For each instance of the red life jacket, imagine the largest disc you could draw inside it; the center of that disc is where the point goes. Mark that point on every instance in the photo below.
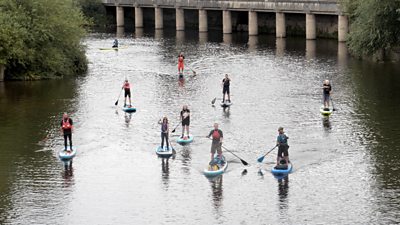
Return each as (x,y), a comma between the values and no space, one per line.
(127,85)
(66,125)
(180,59)
(216,135)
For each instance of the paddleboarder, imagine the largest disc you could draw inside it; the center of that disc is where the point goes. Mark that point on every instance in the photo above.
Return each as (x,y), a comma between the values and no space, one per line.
(164,131)
(127,88)
(327,89)
(115,43)
(225,88)
(185,118)
(283,146)
(217,137)
(181,59)
(66,129)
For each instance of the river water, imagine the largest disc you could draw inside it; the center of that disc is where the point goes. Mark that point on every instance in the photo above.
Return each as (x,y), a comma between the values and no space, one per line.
(346,168)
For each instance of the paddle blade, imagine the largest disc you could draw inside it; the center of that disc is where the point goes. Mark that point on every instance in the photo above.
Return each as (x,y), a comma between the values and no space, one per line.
(213,101)
(116,103)
(173,131)
(173,151)
(244,162)
(260,159)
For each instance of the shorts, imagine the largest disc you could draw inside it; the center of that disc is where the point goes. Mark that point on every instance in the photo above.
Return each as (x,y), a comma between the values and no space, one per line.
(283,150)
(180,66)
(185,122)
(127,93)
(216,147)
(326,97)
(225,90)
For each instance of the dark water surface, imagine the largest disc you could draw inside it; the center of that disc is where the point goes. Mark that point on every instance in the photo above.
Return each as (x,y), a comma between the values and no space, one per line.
(346,167)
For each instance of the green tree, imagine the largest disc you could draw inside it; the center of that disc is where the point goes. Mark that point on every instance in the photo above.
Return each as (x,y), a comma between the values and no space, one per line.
(96,12)
(374,25)
(41,38)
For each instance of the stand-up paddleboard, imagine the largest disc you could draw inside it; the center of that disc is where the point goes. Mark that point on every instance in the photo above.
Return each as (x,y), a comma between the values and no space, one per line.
(165,152)
(325,111)
(226,104)
(108,49)
(185,140)
(67,155)
(217,169)
(129,109)
(281,169)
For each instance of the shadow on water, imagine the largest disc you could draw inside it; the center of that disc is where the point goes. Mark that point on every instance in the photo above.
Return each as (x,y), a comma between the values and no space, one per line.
(68,175)
(186,159)
(326,123)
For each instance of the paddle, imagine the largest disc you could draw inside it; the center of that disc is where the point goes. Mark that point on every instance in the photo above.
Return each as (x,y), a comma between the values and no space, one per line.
(173,149)
(333,105)
(244,162)
(213,101)
(116,103)
(194,72)
(173,131)
(262,157)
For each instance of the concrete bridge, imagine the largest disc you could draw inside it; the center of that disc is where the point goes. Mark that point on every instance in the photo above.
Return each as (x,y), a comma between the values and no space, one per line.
(312,17)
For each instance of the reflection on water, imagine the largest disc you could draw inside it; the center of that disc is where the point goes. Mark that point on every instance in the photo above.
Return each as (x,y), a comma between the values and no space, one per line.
(165,172)
(217,192)
(311,49)
(128,118)
(326,123)
(283,191)
(280,47)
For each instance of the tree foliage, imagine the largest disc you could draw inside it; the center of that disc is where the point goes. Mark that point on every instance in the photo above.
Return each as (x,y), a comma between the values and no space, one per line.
(41,38)
(96,12)
(374,25)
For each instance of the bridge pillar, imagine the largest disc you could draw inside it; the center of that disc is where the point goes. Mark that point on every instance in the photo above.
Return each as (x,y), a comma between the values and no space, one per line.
(180,19)
(280,25)
(159,18)
(226,22)
(203,23)
(253,23)
(120,16)
(311,27)
(138,17)
(343,28)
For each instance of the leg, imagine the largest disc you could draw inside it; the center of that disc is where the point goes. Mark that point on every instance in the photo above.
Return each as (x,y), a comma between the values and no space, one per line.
(162,140)
(219,151)
(70,141)
(213,149)
(187,130)
(223,95)
(229,95)
(286,155)
(183,131)
(65,142)
(166,139)
(278,158)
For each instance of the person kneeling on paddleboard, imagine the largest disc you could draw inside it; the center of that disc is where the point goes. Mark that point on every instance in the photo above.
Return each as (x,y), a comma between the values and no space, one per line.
(127,88)
(185,118)
(225,90)
(217,137)
(115,43)
(181,59)
(283,147)
(164,131)
(327,89)
(66,128)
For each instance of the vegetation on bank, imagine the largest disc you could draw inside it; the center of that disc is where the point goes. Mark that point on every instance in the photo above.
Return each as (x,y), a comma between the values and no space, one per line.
(41,39)
(96,12)
(374,26)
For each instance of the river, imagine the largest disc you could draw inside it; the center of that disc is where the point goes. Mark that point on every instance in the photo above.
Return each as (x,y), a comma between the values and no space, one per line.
(346,168)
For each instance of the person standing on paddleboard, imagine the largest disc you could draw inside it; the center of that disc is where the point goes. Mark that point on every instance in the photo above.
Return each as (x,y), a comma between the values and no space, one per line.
(327,89)
(66,129)
(164,131)
(283,147)
(115,43)
(225,88)
(217,137)
(181,59)
(127,88)
(185,118)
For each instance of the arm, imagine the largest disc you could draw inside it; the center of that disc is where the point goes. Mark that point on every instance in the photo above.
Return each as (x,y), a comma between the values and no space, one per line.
(209,135)
(222,136)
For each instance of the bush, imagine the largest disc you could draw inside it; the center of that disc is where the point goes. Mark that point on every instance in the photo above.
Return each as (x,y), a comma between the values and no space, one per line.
(41,38)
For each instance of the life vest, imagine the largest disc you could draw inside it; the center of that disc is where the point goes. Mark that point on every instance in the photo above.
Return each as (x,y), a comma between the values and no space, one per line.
(216,134)
(66,125)
(127,85)
(180,59)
